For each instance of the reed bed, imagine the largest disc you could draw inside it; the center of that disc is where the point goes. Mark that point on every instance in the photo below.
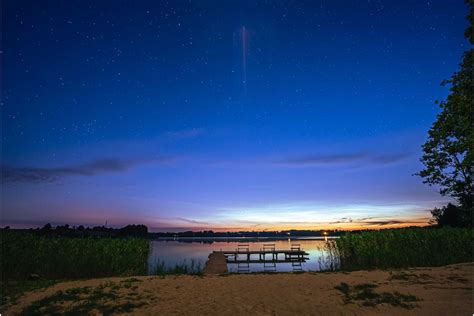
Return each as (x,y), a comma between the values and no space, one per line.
(194,267)
(401,248)
(23,254)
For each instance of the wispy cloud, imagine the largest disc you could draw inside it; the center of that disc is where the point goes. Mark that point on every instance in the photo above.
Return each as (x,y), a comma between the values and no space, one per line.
(346,158)
(51,174)
(192,221)
(387,222)
(371,221)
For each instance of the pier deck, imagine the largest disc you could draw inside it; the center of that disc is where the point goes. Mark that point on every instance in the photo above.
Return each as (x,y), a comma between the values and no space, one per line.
(243,256)
(285,255)
(252,252)
(216,264)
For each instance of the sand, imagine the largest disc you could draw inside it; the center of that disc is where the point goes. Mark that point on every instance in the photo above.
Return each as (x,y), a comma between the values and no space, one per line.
(439,291)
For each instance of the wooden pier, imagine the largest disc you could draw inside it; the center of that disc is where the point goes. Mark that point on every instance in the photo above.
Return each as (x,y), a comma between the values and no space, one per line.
(243,256)
(262,256)
(295,253)
(216,264)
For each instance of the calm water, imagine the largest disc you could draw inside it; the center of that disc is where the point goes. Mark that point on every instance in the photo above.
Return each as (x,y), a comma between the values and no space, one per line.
(171,253)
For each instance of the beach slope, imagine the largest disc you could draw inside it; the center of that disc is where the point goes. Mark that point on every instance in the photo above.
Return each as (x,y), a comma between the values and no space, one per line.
(444,290)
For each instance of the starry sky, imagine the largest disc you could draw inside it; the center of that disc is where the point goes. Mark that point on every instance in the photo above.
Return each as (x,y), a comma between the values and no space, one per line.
(223,115)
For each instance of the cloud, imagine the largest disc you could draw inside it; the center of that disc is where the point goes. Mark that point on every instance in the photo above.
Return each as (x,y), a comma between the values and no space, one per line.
(377,221)
(382,223)
(191,221)
(52,174)
(323,159)
(349,158)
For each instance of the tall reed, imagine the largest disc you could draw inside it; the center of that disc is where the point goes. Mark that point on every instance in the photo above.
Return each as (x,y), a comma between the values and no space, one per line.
(408,247)
(23,254)
(193,268)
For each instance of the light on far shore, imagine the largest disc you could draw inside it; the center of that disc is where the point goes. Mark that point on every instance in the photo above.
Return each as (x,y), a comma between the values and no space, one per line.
(325,234)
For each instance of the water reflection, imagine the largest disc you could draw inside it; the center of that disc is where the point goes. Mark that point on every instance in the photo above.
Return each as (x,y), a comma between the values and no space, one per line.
(170,253)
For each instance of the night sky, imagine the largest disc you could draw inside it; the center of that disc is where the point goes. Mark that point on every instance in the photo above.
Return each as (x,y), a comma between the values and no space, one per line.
(222,115)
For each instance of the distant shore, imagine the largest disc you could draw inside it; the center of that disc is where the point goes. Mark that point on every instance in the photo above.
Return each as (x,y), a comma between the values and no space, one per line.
(241,239)
(433,291)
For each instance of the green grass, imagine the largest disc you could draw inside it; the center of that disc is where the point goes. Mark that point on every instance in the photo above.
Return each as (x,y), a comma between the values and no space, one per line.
(365,295)
(23,254)
(12,290)
(412,278)
(104,299)
(401,248)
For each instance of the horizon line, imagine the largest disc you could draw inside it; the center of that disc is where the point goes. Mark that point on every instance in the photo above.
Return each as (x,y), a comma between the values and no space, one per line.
(177,230)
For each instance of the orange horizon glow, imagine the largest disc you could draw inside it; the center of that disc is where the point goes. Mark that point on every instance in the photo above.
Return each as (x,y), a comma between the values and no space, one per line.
(321,228)
(349,226)
(256,219)
(270,228)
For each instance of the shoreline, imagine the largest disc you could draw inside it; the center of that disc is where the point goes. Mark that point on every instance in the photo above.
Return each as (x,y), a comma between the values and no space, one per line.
(414,291)
(241,239)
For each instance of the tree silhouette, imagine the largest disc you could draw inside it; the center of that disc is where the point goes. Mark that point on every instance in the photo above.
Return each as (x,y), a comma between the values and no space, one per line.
(450,215)
(448,152)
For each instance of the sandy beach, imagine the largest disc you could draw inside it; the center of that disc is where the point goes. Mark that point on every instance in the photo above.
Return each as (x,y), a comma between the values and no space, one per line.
(423,291)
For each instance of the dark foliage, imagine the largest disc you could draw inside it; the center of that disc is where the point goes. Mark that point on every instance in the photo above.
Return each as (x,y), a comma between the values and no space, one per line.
(448,153)
(452,215)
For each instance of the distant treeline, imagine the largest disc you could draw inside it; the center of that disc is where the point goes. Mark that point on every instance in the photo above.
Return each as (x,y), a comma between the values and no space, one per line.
(253,234)
(141,231)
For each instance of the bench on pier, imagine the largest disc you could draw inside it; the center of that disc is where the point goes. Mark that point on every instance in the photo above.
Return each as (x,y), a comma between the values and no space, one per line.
(289,255)
(268,247)
(295,247)
(243,248)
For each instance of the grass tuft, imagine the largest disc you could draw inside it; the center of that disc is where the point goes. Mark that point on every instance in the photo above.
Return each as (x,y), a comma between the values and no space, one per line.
(365,295)
(103,299)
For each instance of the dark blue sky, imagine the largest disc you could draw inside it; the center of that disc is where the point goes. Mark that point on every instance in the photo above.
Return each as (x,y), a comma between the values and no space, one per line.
(222,114)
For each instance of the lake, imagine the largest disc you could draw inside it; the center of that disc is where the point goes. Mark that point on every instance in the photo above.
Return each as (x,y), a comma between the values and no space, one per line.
(169,253)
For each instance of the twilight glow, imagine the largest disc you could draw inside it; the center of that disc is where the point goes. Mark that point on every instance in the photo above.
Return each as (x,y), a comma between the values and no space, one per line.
(228,115)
